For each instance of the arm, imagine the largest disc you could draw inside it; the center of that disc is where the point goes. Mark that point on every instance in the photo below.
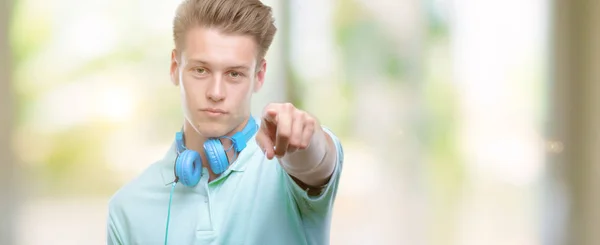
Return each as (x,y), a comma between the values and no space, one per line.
(318,200)
(310,158)
(314,166)
(304,150)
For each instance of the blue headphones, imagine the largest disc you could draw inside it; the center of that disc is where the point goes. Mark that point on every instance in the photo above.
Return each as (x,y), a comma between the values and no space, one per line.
(188,166)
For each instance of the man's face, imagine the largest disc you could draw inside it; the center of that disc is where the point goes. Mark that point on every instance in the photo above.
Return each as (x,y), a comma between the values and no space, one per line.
(217,74)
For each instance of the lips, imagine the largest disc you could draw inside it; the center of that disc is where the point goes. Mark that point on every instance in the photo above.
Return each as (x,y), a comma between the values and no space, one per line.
(214,110)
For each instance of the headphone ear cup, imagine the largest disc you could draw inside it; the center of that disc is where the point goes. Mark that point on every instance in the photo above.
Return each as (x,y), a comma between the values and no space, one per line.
(188,168)
(216,156)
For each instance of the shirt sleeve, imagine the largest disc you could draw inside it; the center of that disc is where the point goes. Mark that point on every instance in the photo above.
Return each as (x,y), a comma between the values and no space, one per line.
(322,202)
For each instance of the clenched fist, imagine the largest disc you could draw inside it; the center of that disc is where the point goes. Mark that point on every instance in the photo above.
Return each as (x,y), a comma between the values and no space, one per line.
(285,129)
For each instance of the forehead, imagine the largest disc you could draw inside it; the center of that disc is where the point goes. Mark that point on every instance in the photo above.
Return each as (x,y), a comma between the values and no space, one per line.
(217,48)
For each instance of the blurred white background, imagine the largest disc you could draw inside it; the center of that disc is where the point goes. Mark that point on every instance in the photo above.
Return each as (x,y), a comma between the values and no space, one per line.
(441,107)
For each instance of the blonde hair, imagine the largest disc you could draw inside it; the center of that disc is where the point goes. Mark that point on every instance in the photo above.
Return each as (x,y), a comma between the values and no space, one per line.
(242,17)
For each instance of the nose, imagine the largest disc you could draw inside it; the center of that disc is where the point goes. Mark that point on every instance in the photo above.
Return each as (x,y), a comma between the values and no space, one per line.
(216,89)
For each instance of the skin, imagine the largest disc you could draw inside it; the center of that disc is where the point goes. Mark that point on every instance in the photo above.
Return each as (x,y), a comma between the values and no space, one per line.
(217,74)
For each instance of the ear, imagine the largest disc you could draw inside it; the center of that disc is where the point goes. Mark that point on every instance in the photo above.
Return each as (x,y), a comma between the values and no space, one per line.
(260,75)
(174,68)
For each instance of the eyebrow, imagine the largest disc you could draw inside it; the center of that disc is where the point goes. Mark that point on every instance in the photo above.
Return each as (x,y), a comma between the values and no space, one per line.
(235,67)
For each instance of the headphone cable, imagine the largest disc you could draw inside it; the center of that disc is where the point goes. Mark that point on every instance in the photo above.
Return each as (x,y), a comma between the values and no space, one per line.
(169,212)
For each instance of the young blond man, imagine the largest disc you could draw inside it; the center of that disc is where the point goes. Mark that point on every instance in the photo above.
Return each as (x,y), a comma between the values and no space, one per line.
(230,178)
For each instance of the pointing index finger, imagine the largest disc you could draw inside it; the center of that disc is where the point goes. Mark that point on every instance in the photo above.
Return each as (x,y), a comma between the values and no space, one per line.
(266,144)
(270,116)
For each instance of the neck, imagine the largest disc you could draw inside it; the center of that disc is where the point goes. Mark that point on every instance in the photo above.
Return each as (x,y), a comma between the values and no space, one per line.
(195,141)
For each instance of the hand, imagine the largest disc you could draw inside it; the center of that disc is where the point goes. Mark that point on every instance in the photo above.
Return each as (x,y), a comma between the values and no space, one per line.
(285,129)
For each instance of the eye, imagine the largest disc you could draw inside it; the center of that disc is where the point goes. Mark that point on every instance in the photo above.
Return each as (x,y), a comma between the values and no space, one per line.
(200,70)
(235,74)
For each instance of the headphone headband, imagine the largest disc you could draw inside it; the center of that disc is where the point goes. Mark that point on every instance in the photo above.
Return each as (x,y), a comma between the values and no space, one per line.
(239,139)
(179,140)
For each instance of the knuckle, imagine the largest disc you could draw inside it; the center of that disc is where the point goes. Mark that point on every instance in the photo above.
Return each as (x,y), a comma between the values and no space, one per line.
(270,106)
(288,105)
(311,121)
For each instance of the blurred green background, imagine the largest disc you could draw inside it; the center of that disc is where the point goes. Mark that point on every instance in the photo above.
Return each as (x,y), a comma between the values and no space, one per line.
(445,108)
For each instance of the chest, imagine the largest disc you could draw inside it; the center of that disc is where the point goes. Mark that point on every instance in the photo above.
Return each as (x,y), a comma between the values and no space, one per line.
(242,207)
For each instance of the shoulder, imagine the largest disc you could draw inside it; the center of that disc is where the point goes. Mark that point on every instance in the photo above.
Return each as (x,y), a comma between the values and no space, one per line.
(130,193)
(124,209)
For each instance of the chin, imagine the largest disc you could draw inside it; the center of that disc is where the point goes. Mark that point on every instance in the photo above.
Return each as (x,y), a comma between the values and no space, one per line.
(211,129)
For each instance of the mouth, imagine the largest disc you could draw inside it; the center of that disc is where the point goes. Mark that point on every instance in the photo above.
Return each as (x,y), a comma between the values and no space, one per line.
(213,111)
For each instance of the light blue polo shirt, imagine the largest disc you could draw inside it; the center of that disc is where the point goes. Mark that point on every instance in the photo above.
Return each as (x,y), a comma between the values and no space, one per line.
(253,202)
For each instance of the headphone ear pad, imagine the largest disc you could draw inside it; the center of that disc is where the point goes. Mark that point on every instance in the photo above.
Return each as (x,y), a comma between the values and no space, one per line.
(216,156)
(188,168)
